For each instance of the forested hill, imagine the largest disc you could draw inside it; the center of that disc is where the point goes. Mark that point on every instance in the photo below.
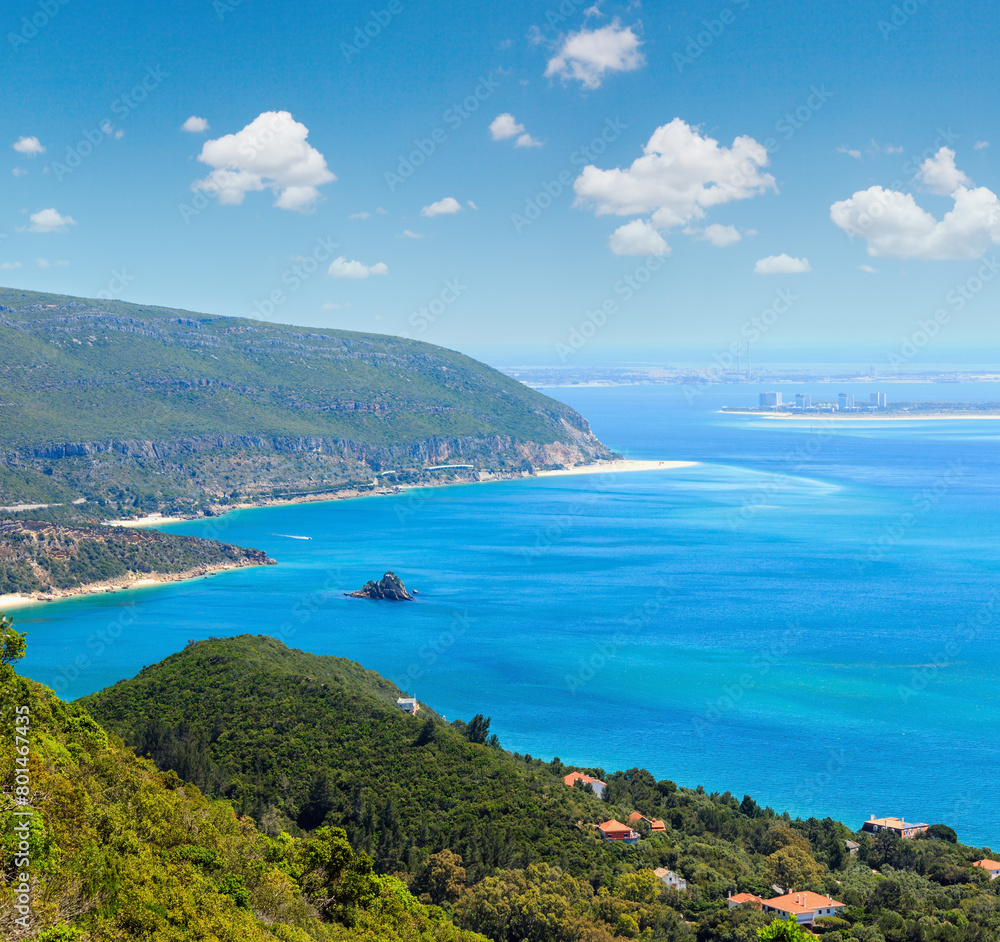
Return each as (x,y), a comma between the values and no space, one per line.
(157,409)
(300,742)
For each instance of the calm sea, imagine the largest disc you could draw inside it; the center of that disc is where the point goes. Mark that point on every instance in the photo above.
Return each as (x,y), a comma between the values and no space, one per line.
(809,616)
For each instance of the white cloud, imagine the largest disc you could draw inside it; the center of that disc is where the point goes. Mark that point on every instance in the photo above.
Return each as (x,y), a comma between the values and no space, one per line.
(29,146)
(679,177)
(894,226)
(49,220)
(526,140)
(856,154)
(444,207)
(360,216)
(195,125)
(869,269)
(504,126)
(981,145)
(380,210)
(781,265)
(471,205)
(342,268)
(940,175)
(719,236)
(637,237)
(592,11)
(43,263)
(19,171)
(410,234)
(269,153)
(9,266)
(589,54)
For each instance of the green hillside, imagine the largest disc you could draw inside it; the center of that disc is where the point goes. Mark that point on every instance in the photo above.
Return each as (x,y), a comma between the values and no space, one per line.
(152,408)
(299,741)
(117,850)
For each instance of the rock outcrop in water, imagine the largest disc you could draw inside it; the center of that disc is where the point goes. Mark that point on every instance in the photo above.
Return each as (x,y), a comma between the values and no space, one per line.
(389,587)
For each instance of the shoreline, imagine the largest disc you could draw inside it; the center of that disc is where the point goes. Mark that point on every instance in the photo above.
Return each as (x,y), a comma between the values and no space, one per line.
(618,466)
(121,584)
(862,416)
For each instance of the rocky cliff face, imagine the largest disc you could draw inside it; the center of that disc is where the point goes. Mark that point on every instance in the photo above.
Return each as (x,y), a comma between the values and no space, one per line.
(389,588)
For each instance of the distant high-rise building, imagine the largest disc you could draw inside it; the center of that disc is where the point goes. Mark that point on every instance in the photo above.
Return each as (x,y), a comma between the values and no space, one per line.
(768,400)
(803,401)
(846,402)
(877,399)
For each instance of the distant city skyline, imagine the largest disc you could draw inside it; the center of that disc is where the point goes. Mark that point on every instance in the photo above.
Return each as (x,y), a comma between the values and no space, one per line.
(578,176)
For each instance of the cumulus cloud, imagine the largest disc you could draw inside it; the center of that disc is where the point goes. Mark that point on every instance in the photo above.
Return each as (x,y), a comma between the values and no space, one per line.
(869,269)
(269,153)
(781,265)
(50,220)
(9,266)
(445,207)
(856,154)
(588,55)
(981,145)
(410,234)
(505,126)
(719,236)
(342,268)
(19,171)
(894,226)
(940,175)
(637,237)
(679,177)
(195,125)
(29,146)
(361,215)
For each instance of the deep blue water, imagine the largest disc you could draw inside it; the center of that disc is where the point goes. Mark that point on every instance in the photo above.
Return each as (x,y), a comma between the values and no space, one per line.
(810,615)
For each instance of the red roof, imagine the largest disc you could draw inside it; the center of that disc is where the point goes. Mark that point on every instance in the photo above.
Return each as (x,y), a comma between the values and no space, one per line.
(575,777)
(801,903)
(613,825)
(988,864)
(745,898)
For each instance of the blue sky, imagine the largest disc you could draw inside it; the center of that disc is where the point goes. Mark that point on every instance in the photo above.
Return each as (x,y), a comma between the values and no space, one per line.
(526,218)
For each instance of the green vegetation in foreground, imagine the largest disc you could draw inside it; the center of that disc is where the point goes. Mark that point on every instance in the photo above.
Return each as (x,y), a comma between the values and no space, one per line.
(41,557)
(121,851)
(140,408)
(299,742)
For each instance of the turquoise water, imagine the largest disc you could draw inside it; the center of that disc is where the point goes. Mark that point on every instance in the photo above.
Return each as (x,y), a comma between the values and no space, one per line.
(809,615)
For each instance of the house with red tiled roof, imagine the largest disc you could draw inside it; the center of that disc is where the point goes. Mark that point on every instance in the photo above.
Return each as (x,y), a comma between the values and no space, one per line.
(755,902)
(992,867)
(596,784)
(616,831)
(655,824)
(805,906)
(897,825)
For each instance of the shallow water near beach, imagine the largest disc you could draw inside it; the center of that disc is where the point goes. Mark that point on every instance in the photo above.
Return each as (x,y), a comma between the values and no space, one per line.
(809,615)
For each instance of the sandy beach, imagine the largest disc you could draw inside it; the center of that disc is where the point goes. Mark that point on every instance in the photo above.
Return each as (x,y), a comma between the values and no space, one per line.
(8,602)
(607,467)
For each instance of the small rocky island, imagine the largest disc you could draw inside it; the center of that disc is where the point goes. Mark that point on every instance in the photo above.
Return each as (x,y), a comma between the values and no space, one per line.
(390,587)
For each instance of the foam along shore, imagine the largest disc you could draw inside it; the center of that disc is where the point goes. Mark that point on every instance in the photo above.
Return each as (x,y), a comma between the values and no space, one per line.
(863,416)
(8,602)
(614,467)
